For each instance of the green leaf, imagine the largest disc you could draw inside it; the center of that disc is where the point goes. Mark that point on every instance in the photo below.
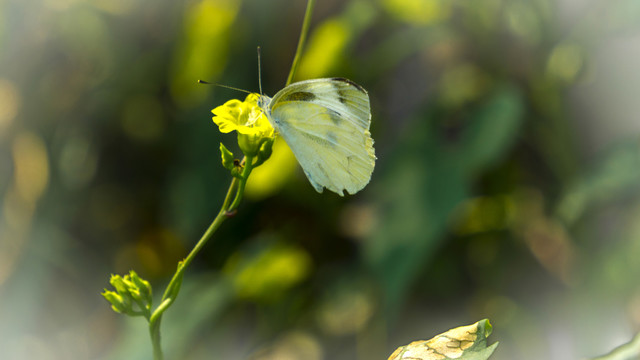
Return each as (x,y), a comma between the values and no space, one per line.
(628,351)
(492,129)
(614,176)
(462,343)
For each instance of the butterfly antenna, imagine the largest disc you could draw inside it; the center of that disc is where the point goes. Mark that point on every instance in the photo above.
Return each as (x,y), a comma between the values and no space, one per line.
(259,73)
(224,86)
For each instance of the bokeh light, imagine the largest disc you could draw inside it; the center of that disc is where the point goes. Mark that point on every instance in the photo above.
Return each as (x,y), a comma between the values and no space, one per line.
(507,184)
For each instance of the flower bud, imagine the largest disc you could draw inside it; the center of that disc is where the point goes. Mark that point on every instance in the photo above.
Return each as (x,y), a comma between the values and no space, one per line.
(130,290)
(249,144)
(117,303)
(144,292)
(227,157)
(266,149)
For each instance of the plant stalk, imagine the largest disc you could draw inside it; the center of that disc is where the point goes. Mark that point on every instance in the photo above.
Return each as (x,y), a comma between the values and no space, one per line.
(303,38)
(235,192)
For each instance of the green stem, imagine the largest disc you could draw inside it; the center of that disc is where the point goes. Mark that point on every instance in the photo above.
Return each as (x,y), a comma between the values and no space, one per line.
(235,192)
(154,331)
(303,37)
(248,167)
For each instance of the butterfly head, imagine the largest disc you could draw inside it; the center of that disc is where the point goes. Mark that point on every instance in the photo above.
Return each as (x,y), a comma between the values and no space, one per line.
(263,102)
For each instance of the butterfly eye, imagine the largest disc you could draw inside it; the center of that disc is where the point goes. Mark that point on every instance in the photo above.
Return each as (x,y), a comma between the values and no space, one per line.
(263,101)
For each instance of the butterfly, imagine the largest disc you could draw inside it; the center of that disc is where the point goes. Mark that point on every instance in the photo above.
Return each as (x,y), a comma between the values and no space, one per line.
(326,124)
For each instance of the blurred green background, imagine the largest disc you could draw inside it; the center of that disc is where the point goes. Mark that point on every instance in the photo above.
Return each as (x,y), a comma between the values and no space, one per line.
(507,184)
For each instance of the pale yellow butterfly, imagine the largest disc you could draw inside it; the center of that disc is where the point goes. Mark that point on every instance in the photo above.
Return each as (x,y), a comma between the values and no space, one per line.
(326,124)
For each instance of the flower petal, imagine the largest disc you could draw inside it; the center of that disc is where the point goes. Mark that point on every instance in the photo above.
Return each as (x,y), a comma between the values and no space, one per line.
(244,117)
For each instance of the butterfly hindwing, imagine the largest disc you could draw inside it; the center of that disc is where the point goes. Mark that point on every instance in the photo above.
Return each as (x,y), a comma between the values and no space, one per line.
(326,123)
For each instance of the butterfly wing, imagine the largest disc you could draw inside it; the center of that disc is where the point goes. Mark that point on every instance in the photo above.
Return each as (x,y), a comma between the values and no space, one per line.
(326,124)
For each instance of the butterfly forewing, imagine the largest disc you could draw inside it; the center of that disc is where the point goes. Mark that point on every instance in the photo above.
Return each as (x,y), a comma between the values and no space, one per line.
(326,123)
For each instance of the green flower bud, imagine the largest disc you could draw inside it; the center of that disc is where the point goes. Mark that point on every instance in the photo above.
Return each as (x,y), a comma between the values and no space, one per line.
(266,148)
(130,290)
(227,157)
(249,144)
(117,303)
(144,289)
(122,289)
(236,172)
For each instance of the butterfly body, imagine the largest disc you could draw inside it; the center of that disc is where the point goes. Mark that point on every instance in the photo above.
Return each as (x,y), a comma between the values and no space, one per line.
(326,124)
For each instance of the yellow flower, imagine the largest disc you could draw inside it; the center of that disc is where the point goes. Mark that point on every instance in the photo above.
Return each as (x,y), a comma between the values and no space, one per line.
(255,133)
(245,117)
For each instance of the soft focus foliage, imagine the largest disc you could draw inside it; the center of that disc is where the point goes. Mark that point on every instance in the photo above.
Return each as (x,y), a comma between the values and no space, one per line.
(507,184)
